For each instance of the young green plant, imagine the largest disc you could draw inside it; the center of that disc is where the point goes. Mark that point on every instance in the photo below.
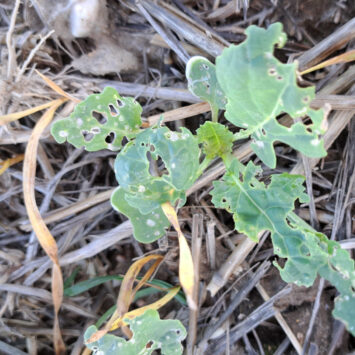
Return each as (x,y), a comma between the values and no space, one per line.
(253,88)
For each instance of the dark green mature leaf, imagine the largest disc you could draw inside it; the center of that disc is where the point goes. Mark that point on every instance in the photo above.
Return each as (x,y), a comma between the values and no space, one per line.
(258,88)
(116,117)
(140,194)
(149,333)
(217,140)
(202,82)
(257,207)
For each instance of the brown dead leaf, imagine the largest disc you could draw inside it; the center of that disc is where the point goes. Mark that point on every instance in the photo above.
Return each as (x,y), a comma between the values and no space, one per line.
(44,236)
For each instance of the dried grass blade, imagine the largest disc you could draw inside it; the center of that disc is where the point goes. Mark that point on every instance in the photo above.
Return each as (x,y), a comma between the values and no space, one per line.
(17,115)
(127,292)
(9,162)
(44,236)
(135,313)
(186,265)
(342,58)
(56,88)
(155,305)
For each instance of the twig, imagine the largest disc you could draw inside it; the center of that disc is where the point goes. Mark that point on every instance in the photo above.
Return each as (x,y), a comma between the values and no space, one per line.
(282,322)
(11,51)
(238,298)
(329,45)
(221,276)
(312,207)
(314,315)
(168,38)
(197,232)
(10,350)
(262,313)
(31,55)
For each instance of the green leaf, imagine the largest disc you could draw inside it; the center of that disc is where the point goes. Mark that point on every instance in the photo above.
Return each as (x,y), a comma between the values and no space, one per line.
(257,207)
(116,117)
(216,139)
(202,82)
(147,227)
(258,88)
(149,333)
(176,149)
(332,263)
(141,194)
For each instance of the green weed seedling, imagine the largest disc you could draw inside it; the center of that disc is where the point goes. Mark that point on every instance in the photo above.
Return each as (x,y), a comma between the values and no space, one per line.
(253,88)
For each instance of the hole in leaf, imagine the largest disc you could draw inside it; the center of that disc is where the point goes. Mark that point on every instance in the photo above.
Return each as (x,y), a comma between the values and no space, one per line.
(88,136)
(224,200)
(272,71)
(113,110)
(120,103)
(149,345)
(152,148)
(204,67)
(110,138)
(279,77)
(263,131)
(306,99)
(124,141)
(99,117)
(95,130)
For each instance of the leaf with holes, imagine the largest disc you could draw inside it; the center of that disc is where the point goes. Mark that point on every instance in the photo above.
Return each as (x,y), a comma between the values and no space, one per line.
(172,150)
(202,82)
(100,122)
(216,139)
(149,333)
(141,194)
(257,207)
(258,88)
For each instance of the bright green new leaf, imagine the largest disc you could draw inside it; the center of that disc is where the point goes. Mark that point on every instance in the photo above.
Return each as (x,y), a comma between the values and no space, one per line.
(257,207)
(258,88)
(101,121)
(216,139)
(202,82)
(149,333)
(141,194)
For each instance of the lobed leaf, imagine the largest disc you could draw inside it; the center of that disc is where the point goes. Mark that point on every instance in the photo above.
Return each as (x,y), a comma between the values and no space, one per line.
(101,121)
(258,88)
(216,139)
(149,333)
(141,194)
(202,82)
(257,207)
